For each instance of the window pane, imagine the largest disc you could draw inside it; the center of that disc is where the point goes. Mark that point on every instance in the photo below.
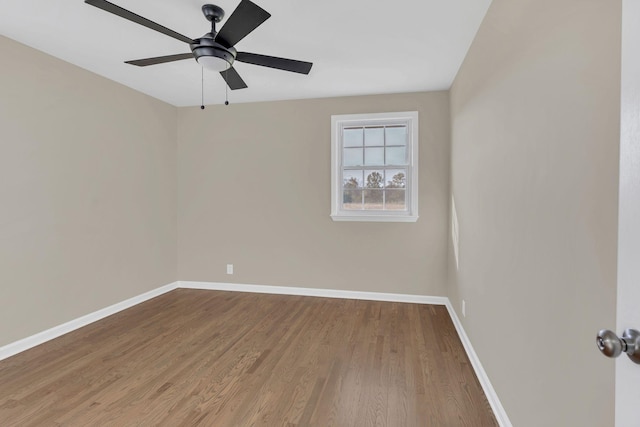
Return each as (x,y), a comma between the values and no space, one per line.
(352,199)
(396,155)
(396,135)
(352,137)
(352,157)
(396,178)
(352,179)
(373,199)
(374,178)
(395,200)
(374,136)
(374,156)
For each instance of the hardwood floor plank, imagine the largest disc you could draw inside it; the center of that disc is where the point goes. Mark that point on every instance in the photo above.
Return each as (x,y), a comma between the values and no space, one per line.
(194,357)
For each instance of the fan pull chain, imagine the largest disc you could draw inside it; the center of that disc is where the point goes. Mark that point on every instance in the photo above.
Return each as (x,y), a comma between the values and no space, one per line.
(202,103)
(226,86)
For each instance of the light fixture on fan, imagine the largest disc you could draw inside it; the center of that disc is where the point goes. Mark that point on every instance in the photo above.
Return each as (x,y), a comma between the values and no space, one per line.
(212,55)
(213,63)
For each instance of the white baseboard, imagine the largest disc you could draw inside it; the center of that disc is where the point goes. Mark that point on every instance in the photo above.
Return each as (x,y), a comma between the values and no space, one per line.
(489,391)
(44,336)
(315,292)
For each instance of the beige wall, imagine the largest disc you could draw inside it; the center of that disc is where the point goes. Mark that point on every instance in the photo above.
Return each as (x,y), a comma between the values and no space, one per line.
(87,192)
(535,131)
(254,190)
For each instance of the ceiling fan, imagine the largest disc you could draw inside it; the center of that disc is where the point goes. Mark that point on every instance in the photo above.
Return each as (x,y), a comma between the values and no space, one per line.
(215,50)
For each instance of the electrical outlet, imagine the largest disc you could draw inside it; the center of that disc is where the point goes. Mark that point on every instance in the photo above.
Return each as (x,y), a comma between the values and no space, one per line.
(229,268)
(464,308)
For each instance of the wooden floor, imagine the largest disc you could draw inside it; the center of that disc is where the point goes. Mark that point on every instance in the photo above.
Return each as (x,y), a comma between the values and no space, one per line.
(192,357)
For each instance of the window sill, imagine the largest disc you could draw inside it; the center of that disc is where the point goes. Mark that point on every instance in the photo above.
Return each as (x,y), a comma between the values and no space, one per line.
(375,218)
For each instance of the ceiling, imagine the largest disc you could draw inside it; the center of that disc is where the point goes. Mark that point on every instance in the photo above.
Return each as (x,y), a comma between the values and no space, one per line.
(357,46)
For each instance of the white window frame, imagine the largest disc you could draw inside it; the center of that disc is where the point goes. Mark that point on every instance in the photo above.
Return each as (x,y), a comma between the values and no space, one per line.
(338,123)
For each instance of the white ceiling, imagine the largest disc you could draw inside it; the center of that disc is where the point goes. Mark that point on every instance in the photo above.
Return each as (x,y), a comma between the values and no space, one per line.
(357,46)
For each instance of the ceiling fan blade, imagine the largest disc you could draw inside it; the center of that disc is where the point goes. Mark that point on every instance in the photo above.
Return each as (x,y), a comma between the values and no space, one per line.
(246,18)
(233,79)
(292,65)
(124,13)
(160,59)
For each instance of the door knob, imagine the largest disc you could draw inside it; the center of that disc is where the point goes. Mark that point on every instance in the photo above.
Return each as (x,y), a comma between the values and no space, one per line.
(613,346)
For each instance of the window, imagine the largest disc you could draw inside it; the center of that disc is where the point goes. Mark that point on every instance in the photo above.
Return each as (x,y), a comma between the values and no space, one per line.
(374,167)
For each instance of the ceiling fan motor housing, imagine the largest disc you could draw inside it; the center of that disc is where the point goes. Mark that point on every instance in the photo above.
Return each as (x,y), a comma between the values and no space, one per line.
(207,46)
